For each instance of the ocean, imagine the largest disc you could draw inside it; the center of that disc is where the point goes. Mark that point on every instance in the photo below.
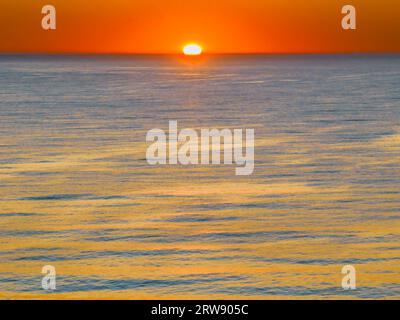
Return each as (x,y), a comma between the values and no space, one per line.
(77,193)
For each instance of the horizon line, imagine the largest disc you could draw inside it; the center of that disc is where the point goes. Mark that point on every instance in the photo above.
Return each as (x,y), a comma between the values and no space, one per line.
(116,53)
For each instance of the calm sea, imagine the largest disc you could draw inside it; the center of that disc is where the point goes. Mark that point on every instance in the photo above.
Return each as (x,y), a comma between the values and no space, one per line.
(76,191)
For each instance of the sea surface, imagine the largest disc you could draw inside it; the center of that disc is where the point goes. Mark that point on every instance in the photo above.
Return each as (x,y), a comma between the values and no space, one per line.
(77,193)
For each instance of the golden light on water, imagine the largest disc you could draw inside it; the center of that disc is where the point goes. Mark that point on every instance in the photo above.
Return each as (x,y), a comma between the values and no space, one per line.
(192,50)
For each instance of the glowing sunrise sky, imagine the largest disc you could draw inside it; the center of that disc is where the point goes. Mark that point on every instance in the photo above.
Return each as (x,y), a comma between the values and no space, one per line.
(234,26)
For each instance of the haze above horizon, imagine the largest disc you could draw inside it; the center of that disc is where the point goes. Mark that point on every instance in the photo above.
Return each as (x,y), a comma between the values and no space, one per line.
(226,27)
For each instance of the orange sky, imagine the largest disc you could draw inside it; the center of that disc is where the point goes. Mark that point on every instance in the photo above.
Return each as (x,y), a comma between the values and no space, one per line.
(221,26)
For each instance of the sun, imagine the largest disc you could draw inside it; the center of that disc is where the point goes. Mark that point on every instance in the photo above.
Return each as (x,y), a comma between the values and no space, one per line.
(192,50)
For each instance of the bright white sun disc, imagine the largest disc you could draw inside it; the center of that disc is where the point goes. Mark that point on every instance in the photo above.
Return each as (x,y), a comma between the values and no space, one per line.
(192,50)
